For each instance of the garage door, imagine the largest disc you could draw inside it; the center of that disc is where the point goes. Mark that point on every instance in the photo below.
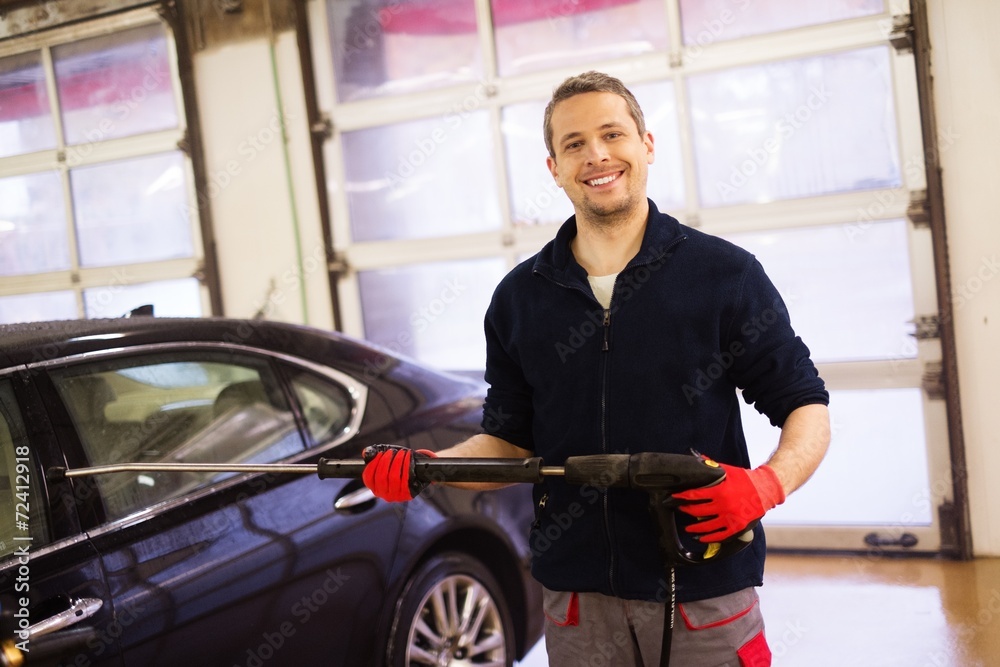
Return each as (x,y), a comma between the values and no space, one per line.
(789,128)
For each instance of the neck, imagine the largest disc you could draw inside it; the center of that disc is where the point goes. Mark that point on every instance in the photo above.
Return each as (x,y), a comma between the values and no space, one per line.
(605,246)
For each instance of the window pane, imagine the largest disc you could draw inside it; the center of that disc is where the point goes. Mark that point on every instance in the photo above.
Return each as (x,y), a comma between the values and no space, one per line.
(708,21)
(433,312)
(532,36)
(22,503)
(170,298)
(25,116)
(795,128)
(848,290)
(421,179)
(115,85)
(37,307)
(326,406)
(175,411)
(874,431)
(33,236)
(132,211)
(535,198)
(388,48)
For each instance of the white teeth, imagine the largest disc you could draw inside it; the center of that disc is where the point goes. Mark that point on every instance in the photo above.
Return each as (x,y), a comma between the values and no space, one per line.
(602,181)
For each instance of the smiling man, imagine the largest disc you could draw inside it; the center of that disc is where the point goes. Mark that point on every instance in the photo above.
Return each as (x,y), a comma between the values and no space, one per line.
(630,333)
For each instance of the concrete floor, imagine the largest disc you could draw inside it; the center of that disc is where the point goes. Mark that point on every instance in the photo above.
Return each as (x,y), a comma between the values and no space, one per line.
(835,611)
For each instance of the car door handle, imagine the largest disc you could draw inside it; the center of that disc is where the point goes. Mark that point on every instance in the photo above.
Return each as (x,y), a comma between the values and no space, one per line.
(79,610)
(354,499)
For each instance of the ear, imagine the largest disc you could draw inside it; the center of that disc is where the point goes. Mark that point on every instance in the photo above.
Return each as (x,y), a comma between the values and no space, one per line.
(550,162)
(650,151)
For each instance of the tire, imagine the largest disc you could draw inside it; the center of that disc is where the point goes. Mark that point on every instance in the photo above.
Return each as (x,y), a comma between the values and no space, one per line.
(452,612)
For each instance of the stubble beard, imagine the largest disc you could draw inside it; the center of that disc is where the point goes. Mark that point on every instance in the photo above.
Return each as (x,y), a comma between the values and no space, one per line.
(612,214)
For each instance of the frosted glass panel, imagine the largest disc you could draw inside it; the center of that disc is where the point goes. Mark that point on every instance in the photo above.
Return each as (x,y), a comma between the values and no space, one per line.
(425,178)
(795,128)
(25,117)
(535,198)
(386,48)
(878,450)
(170,298)
(115,85)
(432,312)
(708,21)
(848,291)
(33,232)
(532,36)
(37,307)
(132,211)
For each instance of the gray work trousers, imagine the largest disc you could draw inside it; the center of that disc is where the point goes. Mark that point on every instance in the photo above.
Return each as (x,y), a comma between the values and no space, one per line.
(594,630)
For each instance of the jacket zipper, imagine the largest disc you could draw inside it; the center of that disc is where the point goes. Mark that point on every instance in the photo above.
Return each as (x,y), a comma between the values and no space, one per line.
(606,347)
(605,361)
(607,326)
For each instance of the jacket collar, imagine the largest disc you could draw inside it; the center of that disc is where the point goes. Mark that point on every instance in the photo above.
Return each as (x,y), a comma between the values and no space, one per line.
(556,260)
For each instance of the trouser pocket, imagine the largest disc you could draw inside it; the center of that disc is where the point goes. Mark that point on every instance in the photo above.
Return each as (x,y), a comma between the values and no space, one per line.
(562,608)
(725,630)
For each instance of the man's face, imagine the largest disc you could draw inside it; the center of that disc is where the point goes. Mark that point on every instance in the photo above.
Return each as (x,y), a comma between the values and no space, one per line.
(601,160)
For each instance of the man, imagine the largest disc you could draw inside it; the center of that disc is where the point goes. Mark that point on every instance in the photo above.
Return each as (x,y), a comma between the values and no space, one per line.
(630,332)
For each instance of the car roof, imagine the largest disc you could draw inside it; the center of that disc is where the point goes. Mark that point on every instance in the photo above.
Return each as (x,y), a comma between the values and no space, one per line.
(40,342)
(31,342)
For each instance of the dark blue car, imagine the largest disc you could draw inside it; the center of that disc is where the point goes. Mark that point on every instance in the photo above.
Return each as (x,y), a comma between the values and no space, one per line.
(248,569)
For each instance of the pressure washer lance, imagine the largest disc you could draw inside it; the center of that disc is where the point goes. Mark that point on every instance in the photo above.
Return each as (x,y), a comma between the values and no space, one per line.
(658,474)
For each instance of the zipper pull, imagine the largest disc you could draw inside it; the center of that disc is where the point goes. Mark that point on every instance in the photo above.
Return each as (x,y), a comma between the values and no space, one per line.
(607,328)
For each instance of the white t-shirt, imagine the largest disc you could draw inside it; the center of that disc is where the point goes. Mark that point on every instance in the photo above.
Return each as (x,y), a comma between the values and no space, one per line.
(602,286)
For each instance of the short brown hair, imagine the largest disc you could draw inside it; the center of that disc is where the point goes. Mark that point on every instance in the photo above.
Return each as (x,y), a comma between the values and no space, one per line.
(591,82)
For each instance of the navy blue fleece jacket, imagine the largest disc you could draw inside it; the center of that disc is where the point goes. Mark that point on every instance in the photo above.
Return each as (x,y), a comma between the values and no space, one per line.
(692,318)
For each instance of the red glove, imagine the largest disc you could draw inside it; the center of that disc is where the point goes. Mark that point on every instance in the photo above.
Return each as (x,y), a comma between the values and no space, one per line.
(389,472)
(727,508)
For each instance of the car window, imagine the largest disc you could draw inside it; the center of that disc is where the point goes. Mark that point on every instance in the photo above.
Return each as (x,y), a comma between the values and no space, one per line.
(24,522)
(175,409)
(326,406)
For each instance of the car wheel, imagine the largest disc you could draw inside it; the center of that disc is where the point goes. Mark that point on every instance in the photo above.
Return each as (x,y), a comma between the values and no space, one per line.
(452,612)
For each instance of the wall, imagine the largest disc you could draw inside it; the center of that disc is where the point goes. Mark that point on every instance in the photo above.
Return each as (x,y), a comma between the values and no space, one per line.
(965,57)
(263,268)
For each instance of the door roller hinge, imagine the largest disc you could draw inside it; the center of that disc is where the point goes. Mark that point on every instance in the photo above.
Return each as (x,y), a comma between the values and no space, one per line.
(926,327)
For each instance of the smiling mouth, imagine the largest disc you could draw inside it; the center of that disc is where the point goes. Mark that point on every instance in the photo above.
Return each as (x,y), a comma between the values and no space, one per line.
(594,182)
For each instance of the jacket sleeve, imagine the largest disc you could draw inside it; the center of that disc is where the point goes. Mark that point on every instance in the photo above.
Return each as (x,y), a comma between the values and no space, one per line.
(507,412)
(771,364)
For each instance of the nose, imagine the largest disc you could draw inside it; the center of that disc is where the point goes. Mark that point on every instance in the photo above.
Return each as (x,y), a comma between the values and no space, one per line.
(597,151)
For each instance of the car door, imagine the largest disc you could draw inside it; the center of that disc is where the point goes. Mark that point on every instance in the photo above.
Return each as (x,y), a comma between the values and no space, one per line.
(53,588)
(224,568)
